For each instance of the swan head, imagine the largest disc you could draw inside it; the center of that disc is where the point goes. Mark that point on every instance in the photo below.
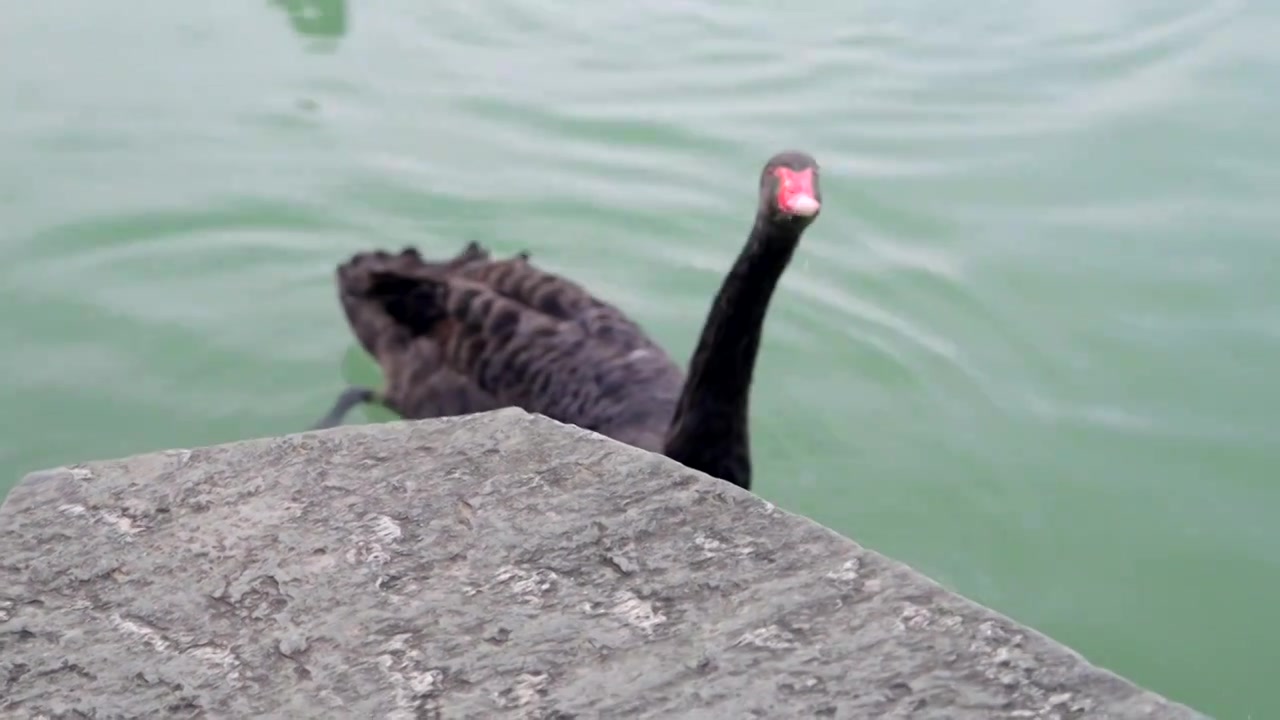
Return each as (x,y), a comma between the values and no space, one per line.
(789,188)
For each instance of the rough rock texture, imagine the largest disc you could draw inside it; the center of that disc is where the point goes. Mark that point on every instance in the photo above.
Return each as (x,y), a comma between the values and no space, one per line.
(492,566)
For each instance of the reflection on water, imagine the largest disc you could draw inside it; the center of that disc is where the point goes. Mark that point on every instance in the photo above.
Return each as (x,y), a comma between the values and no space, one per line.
(316,18)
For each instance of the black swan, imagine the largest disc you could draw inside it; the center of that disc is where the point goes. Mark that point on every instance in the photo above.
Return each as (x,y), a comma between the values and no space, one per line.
(533,340)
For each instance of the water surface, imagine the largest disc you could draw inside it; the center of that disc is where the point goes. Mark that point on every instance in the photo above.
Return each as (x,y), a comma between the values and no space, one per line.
(1029,348)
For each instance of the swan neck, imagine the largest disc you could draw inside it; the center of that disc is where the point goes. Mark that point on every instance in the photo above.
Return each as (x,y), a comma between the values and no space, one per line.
(720,372)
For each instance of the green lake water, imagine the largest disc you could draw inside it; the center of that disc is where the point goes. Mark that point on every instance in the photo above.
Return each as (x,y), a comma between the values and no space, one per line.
(1030,348)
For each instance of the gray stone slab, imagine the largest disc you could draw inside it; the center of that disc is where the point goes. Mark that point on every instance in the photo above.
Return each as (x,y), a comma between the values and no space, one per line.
(494,566)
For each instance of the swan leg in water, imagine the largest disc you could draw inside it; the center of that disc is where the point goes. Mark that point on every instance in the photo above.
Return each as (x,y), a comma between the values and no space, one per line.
(348,399)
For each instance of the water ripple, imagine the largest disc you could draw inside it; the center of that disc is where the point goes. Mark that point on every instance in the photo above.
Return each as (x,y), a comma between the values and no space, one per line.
(1039,295)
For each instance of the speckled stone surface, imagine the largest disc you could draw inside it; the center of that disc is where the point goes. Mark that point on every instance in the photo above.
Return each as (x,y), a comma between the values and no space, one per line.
(492,566)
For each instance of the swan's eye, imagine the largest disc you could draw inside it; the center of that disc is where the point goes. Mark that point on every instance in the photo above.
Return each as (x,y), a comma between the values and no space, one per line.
(795,192)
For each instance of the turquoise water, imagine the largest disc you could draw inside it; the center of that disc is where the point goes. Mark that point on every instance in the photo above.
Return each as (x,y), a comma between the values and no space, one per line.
(1029,347)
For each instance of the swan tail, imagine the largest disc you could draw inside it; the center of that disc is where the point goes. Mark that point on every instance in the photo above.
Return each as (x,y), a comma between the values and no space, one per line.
(418,382)
(506,348)
(376,330)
